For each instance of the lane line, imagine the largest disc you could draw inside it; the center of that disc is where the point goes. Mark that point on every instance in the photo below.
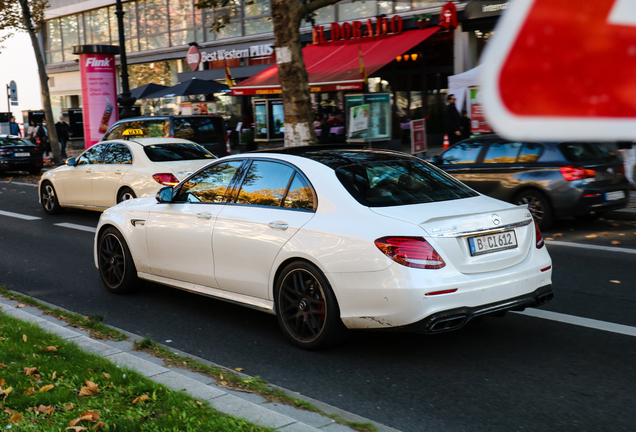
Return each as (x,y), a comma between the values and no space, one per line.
(18,215)
(76,227)
(19,183)
(589,246)
(583,322)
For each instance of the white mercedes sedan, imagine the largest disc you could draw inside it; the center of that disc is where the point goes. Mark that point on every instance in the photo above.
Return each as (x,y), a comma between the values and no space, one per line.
(330,240)
(113,171)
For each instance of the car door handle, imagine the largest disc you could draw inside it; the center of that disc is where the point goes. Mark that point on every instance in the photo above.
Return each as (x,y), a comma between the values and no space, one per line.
(279,225)
(204,215)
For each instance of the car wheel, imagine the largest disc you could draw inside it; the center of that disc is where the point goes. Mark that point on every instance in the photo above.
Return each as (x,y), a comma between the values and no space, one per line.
(49,201)
(538,205)
(306,307)
(125,194)
(116,266)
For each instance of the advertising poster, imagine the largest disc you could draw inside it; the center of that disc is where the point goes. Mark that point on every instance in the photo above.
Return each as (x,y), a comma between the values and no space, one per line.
(99,95)
(278,119)
(378,126)
(186,108)
(418,136)
(260,120)
(478,122)
(359,118)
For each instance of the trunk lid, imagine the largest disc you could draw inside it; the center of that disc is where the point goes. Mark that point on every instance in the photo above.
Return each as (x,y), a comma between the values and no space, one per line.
(449,225)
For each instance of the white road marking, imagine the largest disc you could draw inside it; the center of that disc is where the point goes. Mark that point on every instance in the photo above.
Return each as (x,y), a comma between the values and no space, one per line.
(623,13)
(18,215)
(583,322)
(589,246)
(77,227)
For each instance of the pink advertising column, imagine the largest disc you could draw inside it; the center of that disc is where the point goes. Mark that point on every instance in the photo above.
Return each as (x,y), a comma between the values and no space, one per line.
(99,89)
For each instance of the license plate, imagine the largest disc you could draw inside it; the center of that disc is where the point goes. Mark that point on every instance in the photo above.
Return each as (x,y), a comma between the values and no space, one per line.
(22,154)
(613,196)
(492,242)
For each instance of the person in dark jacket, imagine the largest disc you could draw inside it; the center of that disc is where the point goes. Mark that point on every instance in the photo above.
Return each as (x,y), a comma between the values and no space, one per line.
(43,138)
(15,128)
(465,125)
(63,133)
(452,126)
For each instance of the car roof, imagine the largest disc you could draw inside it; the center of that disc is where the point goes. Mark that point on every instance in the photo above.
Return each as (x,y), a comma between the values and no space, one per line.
(149,141)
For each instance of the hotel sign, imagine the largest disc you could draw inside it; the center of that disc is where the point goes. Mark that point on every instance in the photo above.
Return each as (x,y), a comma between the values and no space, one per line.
(194,56)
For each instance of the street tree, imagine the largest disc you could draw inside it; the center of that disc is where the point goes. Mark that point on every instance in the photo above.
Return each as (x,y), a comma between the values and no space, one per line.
(27,16)
(287,16)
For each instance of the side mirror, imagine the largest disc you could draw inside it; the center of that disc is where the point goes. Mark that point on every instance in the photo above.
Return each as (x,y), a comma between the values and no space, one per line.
(70,161)
(164,195)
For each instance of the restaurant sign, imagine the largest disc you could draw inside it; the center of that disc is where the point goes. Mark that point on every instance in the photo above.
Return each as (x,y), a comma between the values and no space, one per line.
(356,30)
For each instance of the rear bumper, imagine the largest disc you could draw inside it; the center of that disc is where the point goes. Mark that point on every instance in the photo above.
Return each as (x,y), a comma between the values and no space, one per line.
(454,319)
(593,200)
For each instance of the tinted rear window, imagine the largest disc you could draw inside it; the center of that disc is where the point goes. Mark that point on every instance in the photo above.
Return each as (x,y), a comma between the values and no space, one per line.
(202,130)
(6,141)
(176,152)
(589,152)
(391,182)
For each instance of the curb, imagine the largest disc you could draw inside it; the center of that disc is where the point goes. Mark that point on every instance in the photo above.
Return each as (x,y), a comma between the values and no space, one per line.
(249,406)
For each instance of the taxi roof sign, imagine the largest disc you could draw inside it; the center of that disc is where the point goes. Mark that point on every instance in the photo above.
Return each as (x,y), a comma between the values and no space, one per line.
(133,132)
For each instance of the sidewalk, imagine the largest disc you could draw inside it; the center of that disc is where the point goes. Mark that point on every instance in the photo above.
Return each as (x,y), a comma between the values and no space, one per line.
(249,406)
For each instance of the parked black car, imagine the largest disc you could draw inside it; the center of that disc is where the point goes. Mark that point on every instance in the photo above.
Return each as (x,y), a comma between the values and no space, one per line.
(18,154)
(555,179)
(206,130)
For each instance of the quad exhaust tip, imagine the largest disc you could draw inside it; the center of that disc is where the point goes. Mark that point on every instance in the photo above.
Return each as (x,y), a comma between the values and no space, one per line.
(446,324)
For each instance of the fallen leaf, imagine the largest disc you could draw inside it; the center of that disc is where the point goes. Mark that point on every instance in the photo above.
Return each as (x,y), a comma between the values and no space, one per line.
(10,411)
(615,242)
(16,418)
(90,389)
(2,382)
(4,365)
(99,425)
(24,337)
(140,399)
(238,369)
(591,236)
(69,407)
(106,376)
(77,428)
(54,375)
(21,305)
(29,391)
(30,371)
(605,233)
(6,391)
(621,234)
(50,348)
(90,416)
(47,388)
(558,235)
(549,238)
(615,281)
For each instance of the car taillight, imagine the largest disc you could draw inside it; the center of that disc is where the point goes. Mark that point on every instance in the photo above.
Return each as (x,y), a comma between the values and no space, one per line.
(539,236)
(571,173)
(166,179)
(413,252)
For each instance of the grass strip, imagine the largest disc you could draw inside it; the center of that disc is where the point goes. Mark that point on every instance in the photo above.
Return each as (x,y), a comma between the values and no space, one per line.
(92,324)
(49,384)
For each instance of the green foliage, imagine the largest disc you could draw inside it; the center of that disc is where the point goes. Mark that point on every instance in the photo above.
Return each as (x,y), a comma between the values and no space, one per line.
(12,19)
(47,383)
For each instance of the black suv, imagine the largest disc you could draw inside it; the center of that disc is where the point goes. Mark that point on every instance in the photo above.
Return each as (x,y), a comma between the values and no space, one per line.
(206,130)
(17,154)
(555,179)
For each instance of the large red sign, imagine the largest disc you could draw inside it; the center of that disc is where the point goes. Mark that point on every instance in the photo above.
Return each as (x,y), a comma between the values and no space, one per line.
(99,95)
(356,30)
(193,58)
(563,70)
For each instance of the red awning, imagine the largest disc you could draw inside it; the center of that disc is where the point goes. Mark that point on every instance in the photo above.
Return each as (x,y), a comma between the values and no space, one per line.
(335,65)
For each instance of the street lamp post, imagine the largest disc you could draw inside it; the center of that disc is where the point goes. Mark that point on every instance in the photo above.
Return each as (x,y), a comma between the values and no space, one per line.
(125,100)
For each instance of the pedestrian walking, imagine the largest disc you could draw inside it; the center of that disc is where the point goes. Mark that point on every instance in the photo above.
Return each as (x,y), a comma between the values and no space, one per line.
(452,123)
(30,132)
(15,128)
(43,137)
(63,134)
(629,160)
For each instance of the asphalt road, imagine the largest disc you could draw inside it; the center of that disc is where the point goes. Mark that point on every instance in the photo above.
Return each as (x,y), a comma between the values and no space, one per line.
(518,373)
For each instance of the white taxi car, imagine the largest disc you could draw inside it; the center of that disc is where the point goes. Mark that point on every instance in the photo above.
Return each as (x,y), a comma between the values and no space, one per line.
(113,171)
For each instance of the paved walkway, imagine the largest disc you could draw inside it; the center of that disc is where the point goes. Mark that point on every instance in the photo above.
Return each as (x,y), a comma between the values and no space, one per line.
(249,406)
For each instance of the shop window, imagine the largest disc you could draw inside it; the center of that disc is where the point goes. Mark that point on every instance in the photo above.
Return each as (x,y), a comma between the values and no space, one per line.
(256,8)
(385,7)
(325,15)
(97,27)
(420,4)
(181,37)
(402,6)
(70,36)
(180,13)
(359,9)
(54,36)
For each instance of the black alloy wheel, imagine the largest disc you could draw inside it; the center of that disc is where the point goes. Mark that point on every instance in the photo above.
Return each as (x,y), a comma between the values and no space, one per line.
(538,205)
(125,194)
(116,266)
(306,307)
(49,201)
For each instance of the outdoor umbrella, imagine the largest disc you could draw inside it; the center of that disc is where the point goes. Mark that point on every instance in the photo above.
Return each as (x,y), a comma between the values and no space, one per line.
(190,87)
(146,89)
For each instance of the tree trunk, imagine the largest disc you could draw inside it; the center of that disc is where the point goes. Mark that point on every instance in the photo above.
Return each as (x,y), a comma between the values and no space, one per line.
(44,83)
(299,122)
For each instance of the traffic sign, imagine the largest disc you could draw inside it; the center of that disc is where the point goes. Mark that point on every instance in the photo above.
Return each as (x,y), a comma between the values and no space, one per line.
(13,93)
(563,70)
